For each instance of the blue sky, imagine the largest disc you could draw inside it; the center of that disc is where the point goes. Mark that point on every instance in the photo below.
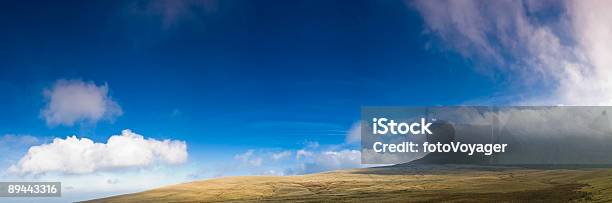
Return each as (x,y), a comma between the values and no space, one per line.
(241,81)
(243,63)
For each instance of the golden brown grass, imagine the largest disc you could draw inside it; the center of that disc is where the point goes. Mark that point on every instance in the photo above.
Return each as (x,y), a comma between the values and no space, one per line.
(423,183)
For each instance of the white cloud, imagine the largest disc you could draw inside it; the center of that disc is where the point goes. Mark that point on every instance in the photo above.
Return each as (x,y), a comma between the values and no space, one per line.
(73,101)
(281,155)
(568,53)
(80,156)
(307,160)
(302,153)
(273,173)
(312,159)
(249,159)
(354,134)
(339,159)
(312,162)
(592,29)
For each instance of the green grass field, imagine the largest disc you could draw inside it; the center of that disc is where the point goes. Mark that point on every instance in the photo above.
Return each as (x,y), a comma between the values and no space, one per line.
(409,183)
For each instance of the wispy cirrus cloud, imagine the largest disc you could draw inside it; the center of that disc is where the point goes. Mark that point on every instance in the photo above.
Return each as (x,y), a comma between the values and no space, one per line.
(562,46)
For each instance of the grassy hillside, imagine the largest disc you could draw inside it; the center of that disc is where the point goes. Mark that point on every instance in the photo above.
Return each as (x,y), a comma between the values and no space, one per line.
(390,184)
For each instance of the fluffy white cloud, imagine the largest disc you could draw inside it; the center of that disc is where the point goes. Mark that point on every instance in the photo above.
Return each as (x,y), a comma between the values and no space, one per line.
(72,101)
(568,53)
(79,156)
